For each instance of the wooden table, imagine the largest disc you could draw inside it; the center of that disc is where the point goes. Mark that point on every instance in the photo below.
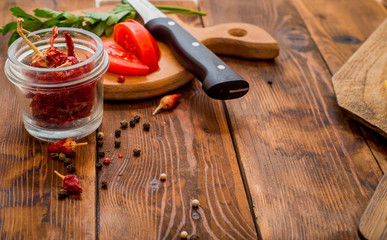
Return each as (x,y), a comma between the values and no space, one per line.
(283,162)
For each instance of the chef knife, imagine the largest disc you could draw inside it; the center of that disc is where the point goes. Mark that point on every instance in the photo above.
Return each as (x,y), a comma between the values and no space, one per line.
(219,81)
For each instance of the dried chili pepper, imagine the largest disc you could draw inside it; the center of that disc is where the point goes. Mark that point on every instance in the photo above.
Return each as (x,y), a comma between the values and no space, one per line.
(66,145)
(167,102)
(71,183)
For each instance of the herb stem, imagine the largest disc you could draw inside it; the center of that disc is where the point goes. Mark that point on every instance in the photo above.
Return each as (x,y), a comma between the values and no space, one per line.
(170,9)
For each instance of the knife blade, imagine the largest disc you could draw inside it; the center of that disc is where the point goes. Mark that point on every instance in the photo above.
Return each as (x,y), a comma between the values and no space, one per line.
(219,81)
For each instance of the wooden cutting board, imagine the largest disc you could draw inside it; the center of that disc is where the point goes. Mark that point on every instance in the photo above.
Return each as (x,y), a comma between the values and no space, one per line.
(360,83)
(232,39)
(373,223)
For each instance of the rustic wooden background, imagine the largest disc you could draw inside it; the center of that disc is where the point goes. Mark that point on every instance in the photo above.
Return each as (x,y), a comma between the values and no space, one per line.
(282,162)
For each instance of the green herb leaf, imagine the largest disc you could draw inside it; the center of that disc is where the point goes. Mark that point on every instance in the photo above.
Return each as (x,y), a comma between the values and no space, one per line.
(13,37)
(100,28)
(46,13)
(103,16)
(8,28)
(18,12)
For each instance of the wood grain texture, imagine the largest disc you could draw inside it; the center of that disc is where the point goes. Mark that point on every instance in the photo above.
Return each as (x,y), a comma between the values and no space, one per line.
(338,28)
(373,223)
(359,84)
(29,204)
(192,145)
(308,169)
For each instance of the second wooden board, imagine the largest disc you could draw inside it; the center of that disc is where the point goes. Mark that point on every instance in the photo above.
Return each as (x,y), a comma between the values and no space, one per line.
(359,84)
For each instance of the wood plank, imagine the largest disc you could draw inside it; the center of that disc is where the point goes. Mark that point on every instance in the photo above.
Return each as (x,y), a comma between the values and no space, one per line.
(29,205)
(308,169)
(338,39)
(192,145)
(373,223)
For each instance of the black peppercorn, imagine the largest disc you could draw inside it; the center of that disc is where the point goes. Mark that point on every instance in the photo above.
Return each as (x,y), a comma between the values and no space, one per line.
(101,154)
(67,161)
(146,126)
(132,123)
(98,166)
(118,133)
(137,151)
(104,184)
(136,118)
(70,169)
(124,124)
(62,193)
(117,143)
(100,143)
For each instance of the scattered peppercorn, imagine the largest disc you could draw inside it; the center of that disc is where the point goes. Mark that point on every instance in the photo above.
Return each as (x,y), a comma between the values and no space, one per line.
(70,169)
(62,193)
(132,123)
(62,156)
(195,203)
(136,118)
(163,177)
(117,143)
(54,155)
(98,166)
(100,143)
(137,151)
(101,154)
(146,126)
(194,237)
(106,160)
(120,156)
(121,79)
(183,234)
(67,161)
(100,135)
(104,184)
(117,133)
(124,123)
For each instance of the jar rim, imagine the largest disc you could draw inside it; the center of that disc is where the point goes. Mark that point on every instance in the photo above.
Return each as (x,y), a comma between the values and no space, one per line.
(99,50)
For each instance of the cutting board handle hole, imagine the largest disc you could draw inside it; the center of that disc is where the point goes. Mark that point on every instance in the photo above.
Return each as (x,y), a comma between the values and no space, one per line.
(237,32)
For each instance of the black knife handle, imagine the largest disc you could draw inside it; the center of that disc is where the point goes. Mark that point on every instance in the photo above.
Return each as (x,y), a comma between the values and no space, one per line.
(219,80)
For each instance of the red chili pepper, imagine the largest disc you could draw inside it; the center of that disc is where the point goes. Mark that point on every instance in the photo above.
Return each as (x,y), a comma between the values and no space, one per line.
(66,145)
(167,102)
(71,183)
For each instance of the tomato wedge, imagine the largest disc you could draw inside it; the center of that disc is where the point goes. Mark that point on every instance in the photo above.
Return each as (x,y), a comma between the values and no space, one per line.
(133,36)
(122,61)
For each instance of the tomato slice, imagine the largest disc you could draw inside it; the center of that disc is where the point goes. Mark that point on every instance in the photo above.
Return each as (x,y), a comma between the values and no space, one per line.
(133,36)
(122,61)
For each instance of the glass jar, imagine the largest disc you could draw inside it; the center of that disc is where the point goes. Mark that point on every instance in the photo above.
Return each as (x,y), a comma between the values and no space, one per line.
(63,102)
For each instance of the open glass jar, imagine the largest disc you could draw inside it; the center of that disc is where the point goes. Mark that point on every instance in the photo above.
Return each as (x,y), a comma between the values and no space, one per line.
(57,103)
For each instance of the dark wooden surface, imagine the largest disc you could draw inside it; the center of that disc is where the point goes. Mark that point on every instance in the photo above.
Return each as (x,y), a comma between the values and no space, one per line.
(282,162)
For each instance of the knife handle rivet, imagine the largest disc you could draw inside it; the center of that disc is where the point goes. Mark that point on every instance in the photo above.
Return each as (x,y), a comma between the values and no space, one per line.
(221,67)
(195,44)
(171,23)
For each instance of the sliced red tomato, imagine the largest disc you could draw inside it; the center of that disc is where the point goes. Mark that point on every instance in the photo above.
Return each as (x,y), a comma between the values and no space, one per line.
(133,36)
(122,61)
